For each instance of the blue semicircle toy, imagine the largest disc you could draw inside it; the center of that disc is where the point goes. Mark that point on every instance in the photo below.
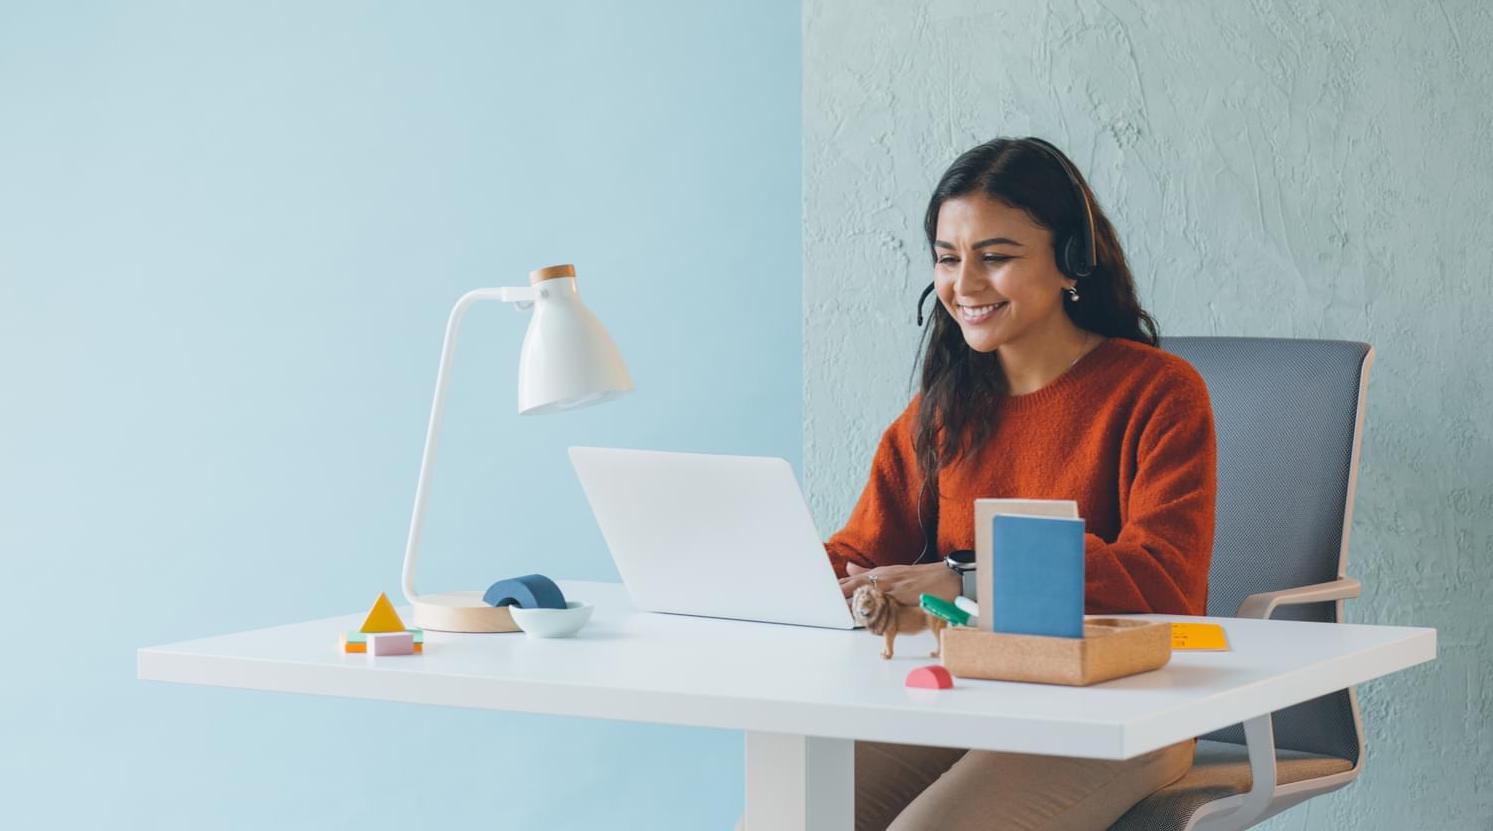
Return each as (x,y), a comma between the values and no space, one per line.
(532,591)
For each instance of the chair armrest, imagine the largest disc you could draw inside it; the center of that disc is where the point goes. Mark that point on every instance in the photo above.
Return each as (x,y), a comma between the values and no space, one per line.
(1262,606)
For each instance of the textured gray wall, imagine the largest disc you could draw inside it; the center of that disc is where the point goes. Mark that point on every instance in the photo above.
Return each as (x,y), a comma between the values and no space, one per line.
(1297,169)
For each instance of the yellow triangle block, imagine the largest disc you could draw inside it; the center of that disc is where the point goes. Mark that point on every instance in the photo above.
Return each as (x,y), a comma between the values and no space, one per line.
(382,617)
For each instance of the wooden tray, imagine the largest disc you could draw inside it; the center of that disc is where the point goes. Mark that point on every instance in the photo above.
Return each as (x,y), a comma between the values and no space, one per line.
(1110,648)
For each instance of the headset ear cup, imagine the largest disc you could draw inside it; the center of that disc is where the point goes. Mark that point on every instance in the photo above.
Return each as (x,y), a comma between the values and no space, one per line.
(1078,264)
(1068,256)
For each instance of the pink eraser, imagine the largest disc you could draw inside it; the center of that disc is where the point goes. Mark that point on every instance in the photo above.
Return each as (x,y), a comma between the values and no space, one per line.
(931,677)
(391,643)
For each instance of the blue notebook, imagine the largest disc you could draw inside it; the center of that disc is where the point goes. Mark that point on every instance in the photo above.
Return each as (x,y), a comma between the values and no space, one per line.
(1037,572)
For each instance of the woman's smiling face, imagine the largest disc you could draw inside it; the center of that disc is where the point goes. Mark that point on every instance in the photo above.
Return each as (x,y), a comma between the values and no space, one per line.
(995,272)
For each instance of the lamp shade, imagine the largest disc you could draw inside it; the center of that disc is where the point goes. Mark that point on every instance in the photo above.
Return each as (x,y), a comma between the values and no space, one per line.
(568,359)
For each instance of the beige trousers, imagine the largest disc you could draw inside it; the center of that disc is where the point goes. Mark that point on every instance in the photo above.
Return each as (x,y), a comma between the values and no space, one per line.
(912,788)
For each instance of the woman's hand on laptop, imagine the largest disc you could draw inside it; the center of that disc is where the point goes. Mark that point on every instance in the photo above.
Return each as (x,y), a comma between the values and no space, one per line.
(904,583)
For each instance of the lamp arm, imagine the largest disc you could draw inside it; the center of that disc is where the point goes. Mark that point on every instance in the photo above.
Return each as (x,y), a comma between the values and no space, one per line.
(523,298)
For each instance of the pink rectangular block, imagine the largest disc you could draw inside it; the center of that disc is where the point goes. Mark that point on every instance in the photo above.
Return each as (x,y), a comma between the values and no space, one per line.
(391,643)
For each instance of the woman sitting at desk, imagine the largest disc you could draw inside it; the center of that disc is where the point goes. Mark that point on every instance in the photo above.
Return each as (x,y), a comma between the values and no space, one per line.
(1042,380)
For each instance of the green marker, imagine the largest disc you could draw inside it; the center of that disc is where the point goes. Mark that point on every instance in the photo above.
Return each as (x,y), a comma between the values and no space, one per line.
(938,607)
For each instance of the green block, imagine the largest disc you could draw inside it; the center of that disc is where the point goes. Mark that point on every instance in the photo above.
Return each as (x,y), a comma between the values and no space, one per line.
(362,637)
(938,607)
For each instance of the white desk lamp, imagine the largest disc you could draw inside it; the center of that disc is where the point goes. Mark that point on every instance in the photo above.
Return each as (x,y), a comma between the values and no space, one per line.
(568,360)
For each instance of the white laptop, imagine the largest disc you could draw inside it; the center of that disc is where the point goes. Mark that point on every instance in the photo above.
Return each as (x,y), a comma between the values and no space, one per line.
(712,535)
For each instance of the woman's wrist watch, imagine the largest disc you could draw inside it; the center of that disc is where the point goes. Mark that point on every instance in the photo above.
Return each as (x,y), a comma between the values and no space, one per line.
(962,563)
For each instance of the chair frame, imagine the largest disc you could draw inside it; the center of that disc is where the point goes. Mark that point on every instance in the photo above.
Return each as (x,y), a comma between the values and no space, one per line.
(1266,797)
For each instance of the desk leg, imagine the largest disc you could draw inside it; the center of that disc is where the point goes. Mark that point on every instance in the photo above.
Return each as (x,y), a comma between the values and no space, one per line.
(799,783)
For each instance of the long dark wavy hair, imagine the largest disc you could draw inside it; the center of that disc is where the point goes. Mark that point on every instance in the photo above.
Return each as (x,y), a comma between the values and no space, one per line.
(962,387)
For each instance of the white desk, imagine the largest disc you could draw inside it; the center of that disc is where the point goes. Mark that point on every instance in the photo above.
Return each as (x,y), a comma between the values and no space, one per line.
(802,695)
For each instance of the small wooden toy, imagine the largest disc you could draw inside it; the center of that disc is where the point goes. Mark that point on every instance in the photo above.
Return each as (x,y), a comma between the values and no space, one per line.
(381,620)
(931,677)
(531,591)
(382,617)
(391,643)
(358,641)
(883,615)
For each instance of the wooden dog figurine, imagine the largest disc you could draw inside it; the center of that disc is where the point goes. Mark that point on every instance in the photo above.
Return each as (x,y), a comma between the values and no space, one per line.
(884,615)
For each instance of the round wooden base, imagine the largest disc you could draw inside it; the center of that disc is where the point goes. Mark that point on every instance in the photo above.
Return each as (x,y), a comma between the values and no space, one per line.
(460,612)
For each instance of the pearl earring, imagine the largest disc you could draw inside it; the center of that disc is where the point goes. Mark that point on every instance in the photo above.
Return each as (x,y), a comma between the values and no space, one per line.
(1072,293)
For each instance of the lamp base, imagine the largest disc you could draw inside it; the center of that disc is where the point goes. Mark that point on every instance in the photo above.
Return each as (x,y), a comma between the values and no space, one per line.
(460,612)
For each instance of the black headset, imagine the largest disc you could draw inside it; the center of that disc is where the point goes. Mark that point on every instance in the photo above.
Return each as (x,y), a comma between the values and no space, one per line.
(1075,253)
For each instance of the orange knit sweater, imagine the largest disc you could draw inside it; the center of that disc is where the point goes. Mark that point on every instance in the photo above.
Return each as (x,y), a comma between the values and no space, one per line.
(1127,432)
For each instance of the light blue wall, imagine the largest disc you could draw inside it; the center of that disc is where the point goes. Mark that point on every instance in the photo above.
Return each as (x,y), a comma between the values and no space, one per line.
(229,238)
(1291,168)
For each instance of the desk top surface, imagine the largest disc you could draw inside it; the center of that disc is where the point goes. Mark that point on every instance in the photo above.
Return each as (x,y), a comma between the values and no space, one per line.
(639,666)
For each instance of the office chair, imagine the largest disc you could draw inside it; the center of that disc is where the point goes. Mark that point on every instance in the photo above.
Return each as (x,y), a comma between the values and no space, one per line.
(1289,420)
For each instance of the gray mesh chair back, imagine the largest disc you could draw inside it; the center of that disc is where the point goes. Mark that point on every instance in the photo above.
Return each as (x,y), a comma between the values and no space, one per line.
(1286,416)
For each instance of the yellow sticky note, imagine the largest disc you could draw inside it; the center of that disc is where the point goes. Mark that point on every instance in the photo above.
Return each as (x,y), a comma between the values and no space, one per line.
(1199,636)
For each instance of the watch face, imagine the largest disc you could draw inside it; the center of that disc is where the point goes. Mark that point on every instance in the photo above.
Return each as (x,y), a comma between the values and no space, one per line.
(963,558)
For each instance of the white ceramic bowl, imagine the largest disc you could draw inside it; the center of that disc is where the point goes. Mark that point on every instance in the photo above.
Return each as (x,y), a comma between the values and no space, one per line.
(552,623)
